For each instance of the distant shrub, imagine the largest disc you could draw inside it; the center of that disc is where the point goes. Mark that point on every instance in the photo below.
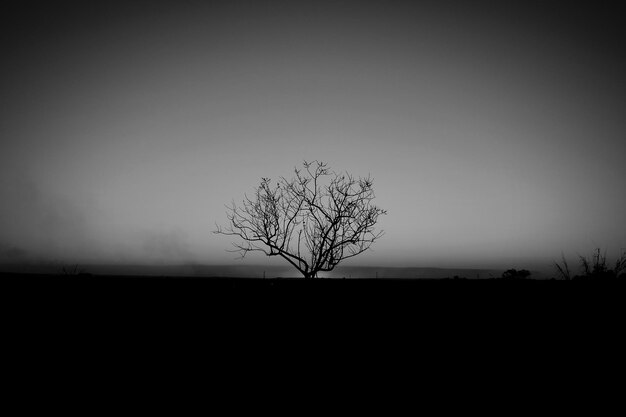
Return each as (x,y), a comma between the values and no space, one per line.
(515,274)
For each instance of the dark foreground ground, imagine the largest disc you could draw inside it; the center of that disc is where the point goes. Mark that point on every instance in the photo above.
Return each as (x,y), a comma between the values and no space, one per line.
(216,309)
(292,282)
(144,287)
(469,292)
(234,283)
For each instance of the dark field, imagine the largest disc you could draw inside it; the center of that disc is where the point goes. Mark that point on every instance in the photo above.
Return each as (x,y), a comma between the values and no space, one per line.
(436,292)
(208,303)
(240,282)
(466,290)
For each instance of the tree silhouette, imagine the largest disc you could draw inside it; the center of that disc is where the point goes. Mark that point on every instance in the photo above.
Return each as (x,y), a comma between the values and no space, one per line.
(313,221)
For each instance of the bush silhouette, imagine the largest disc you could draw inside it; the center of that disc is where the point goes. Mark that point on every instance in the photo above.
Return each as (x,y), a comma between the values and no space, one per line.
(595,267)
(515,274)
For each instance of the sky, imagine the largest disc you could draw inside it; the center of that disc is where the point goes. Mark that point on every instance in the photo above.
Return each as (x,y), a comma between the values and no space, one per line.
(494,132)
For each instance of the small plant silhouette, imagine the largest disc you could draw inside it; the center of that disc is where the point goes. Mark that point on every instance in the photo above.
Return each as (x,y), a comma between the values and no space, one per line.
(74,271)
(595,267)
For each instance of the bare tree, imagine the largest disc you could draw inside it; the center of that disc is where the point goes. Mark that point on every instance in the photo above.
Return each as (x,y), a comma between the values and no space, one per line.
(313,221)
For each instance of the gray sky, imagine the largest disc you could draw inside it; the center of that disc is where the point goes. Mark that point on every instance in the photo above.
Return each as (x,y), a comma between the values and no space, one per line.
(494,134)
